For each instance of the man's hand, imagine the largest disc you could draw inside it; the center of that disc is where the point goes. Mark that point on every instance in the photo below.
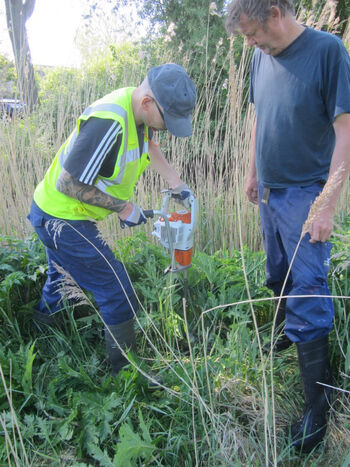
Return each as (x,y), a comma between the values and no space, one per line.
(251,190)
(181,194)
(131,216)
(322,227)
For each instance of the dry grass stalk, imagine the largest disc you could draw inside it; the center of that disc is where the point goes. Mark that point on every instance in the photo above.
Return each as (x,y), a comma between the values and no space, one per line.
(70,290)
(322,201)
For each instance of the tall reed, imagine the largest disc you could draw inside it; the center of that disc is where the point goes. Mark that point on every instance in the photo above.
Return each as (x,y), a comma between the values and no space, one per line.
(211,161)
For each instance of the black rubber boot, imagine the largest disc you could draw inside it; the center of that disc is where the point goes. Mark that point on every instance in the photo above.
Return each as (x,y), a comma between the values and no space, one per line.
(281,342)
(314,365)
(124,334)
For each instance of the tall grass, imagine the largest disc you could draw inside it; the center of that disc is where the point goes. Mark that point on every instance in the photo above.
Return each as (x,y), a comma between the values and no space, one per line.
(213,161)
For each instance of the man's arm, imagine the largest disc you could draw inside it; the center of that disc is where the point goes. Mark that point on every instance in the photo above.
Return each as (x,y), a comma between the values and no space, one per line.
(89,194)
(162,166)
(322,227)
(251,187)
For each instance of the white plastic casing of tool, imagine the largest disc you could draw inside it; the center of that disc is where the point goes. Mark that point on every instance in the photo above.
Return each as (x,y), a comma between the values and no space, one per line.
(180,233)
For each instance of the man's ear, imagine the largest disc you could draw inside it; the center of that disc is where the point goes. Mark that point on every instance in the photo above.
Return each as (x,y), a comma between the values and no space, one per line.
(145,102)
(275,12)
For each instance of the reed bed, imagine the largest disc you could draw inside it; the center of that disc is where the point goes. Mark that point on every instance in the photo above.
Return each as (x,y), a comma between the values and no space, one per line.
(213,161)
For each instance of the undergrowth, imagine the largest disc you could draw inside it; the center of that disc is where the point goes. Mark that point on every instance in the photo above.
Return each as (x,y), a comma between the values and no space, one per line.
(59,406)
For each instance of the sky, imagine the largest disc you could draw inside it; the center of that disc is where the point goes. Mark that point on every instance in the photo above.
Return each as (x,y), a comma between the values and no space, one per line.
(53,26)
(51,32)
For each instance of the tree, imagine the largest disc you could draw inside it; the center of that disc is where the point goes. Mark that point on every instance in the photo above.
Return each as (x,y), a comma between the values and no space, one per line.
(332,14)
(343,13)
(8,77)
(188,26)
(106,22)
(17,13)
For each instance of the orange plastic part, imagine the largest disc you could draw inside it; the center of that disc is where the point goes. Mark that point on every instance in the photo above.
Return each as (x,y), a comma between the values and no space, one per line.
(178,216)
(183,257)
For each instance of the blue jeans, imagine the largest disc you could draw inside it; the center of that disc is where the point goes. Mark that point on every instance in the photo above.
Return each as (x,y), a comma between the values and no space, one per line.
(282,218)
(77,247)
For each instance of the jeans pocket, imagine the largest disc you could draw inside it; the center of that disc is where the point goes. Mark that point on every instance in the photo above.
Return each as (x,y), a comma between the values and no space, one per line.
(36,219)
(41,226)
(45,236)
(41,229)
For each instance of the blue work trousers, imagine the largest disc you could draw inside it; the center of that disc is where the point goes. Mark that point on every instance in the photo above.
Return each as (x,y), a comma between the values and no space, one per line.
(77,247)
(282,216)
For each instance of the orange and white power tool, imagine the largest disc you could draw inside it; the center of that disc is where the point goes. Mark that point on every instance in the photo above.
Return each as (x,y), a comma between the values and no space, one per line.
(175,231)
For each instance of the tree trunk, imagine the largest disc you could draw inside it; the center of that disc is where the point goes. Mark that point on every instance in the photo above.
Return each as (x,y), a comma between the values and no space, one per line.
(17,13)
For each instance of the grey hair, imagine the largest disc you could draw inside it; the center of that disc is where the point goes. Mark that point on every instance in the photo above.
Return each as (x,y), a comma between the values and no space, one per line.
(257,10)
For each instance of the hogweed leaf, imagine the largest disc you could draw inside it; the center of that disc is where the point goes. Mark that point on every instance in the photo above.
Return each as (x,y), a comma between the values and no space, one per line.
(131,447)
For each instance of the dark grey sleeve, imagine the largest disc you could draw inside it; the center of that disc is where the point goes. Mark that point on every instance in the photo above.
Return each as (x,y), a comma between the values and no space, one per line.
(94,142)
(337,81)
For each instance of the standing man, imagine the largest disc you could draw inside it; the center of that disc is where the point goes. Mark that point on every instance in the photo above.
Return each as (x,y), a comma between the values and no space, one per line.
(93,175)
(300,86)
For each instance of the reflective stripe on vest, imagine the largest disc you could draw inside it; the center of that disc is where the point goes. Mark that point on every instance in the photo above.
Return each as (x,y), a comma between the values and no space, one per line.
(128,156)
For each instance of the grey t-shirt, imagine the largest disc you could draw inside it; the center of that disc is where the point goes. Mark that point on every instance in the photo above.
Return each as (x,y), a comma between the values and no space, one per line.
(297,95)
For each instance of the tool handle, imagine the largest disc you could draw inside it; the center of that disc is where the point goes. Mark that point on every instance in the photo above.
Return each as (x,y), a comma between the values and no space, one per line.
(148,213)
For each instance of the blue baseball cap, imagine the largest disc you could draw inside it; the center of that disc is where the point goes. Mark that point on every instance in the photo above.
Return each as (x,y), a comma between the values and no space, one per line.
(176,93)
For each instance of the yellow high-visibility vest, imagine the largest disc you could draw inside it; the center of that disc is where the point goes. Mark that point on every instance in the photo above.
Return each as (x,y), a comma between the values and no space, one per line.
(130,163)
